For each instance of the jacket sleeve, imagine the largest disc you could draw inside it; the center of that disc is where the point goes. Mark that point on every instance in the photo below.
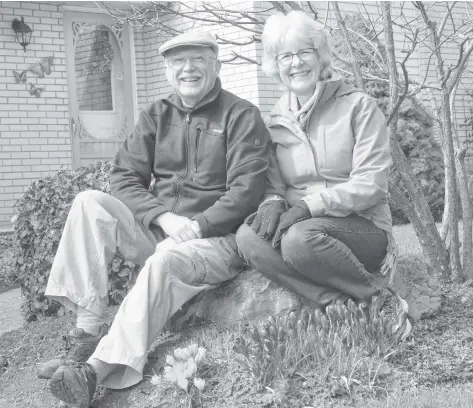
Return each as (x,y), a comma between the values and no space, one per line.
(368,182)
(247,165)
(275,185)
(131,173)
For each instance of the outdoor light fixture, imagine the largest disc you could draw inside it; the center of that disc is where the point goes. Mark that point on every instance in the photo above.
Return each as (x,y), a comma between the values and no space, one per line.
(22,32)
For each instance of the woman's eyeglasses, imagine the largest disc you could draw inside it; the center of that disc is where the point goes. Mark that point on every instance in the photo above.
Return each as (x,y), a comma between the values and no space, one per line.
(304,55)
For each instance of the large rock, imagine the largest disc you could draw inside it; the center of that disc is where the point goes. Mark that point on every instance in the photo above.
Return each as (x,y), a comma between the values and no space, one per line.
(417,284)
(250,296)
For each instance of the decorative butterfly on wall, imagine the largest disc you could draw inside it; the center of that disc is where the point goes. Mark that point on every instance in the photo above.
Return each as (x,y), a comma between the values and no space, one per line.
(36,91)
(20,77)
(42,67)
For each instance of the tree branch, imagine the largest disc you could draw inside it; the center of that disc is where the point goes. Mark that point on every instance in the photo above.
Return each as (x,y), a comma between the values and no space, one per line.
(237,56)
(251,40)
(353,63)
(445,18)
(461,65)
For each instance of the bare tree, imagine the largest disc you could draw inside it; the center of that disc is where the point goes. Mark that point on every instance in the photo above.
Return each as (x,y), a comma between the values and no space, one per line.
(441,250)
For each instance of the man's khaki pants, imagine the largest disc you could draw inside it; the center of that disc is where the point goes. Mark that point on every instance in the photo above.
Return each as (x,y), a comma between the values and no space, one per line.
(99,226)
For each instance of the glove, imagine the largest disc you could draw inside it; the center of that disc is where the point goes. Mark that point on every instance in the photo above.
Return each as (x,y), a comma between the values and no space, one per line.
(299,212)
(265,221)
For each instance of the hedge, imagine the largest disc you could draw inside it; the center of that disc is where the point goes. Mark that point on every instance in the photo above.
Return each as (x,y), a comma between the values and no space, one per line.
(40,216)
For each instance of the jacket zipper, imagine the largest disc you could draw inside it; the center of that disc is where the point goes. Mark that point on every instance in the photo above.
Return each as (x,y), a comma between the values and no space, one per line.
(196,149)
(181,178)
(312,147)
(306,137)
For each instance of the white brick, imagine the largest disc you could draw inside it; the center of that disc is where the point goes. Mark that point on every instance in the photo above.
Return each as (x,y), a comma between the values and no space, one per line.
(43,13)
(23,12)
(48,7)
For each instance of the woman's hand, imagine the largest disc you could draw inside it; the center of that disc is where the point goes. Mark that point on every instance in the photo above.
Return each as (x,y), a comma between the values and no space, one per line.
(299,212)
(265,221)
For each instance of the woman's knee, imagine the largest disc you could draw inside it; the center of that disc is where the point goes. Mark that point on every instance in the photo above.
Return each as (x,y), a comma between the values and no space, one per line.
(300,242)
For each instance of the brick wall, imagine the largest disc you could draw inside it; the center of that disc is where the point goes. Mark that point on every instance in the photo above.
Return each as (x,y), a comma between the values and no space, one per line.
(34,133)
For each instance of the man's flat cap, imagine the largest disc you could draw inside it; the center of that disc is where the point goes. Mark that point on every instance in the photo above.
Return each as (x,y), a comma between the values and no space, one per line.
(196,38)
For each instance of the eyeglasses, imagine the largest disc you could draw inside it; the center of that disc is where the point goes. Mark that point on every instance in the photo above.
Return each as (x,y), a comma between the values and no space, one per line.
(195,60)
(304,55)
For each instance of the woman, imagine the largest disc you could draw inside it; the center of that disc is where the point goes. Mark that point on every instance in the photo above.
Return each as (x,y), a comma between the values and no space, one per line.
(324,227)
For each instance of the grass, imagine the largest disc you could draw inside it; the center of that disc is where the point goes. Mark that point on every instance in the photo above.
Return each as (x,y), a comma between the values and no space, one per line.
(459,396)
(433,369)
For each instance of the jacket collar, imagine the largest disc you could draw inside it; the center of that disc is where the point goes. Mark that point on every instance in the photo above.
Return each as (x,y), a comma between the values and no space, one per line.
(287,106)
(176,101)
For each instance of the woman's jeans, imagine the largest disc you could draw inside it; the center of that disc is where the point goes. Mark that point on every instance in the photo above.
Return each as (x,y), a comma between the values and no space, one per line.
(324,259)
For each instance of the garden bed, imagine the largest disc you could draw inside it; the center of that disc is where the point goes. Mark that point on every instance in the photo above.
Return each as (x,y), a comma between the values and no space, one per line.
(433,368)
(438,357)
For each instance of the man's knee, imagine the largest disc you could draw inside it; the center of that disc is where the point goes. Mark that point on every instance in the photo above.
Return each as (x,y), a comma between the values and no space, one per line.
(177,262)
(246,240)
(84,198)
(87,196)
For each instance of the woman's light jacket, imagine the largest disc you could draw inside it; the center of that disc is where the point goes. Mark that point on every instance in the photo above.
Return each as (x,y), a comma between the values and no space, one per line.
(338,161)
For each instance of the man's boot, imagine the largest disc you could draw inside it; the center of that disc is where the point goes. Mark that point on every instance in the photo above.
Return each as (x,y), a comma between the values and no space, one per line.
(79,347)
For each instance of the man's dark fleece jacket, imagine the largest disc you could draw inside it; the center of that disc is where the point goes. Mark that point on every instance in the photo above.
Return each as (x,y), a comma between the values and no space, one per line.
(209,162)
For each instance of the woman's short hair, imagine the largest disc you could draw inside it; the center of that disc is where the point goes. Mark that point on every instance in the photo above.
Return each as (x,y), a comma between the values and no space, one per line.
(296,24)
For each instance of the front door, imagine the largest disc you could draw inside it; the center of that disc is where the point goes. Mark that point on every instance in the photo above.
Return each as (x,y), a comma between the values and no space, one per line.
(100,86)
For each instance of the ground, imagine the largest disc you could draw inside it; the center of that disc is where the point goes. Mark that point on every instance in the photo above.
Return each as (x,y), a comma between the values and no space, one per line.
(433,368)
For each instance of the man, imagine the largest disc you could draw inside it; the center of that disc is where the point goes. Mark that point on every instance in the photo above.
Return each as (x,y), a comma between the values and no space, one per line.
(208,151)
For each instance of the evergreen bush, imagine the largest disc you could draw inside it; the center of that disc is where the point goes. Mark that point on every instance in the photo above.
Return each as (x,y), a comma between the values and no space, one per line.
(424,154)
(415,128)
(40,216)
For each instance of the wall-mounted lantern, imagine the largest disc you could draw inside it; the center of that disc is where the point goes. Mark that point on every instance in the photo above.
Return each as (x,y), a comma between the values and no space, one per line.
(22,32)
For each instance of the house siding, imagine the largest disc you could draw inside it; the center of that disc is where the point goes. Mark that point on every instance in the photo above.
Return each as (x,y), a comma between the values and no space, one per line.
(34,132)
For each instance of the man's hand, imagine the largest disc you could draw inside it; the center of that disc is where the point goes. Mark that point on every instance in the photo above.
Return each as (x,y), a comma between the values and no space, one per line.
(265,221)
(180,228)
(299,212)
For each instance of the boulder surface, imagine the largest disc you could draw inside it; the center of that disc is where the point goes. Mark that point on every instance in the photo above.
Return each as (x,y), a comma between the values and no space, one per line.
(252,297)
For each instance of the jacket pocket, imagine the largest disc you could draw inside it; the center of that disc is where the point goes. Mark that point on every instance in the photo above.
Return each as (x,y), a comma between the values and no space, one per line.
(210,163)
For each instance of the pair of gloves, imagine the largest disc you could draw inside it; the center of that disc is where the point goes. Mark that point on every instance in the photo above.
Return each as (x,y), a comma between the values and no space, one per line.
(272,220)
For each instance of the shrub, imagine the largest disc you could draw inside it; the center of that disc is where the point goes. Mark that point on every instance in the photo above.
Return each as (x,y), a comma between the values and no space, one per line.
(424,155)
(40,216)
(415,128)
(414,133)
(7,271)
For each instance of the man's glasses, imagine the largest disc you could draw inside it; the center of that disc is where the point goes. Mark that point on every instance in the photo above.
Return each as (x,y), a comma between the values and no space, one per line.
(196,61)
(304,55)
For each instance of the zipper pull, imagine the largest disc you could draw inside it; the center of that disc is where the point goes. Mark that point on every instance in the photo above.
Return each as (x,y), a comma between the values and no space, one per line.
(188,118)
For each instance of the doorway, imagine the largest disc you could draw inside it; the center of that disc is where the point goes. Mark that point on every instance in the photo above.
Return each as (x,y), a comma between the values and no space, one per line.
(99,65)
